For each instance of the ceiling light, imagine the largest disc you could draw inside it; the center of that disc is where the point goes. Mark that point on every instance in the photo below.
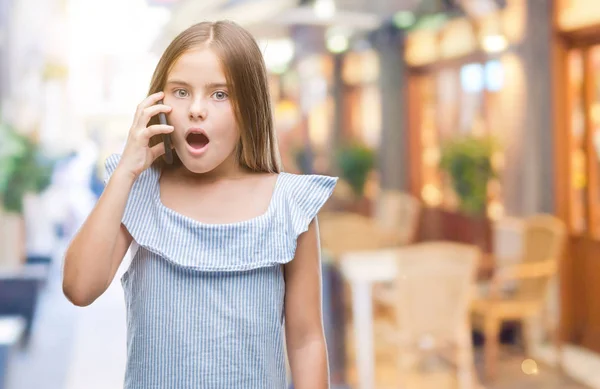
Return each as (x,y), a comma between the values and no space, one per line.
(494,43)
(277,54)
(324,9)
(337,43)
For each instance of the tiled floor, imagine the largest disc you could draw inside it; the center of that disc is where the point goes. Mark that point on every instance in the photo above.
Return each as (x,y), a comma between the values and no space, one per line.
(510,376)
(84,348)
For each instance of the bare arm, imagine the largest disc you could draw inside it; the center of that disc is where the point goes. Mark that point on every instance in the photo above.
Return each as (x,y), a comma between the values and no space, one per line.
(307,350)
(98,248)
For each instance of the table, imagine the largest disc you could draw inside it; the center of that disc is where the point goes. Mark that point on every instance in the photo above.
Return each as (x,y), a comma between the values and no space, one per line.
(362,270)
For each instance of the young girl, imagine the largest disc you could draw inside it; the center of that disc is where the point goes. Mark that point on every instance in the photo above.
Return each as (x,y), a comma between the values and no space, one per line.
(224,245)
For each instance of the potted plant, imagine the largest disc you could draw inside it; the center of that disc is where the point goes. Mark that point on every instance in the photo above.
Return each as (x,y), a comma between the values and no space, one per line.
(467,161)
(24,170)
(355,163)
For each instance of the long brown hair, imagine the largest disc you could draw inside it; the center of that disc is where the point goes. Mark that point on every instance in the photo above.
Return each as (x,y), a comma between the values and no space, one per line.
(245,71)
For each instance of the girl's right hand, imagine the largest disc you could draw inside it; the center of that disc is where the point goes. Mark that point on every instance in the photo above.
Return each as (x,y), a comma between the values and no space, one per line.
(138,155)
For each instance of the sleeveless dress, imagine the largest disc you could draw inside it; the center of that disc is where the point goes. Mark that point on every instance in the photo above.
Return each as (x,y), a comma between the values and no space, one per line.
(205,302)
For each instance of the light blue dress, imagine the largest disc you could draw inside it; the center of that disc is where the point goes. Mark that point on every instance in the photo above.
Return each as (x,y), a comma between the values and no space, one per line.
(205,302)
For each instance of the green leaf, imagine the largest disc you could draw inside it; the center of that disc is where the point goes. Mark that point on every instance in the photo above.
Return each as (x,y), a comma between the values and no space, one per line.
(23,168)
(355,163)
(467,161)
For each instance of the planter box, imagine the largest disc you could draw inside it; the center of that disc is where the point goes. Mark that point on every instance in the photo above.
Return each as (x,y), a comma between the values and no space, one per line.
(441,224)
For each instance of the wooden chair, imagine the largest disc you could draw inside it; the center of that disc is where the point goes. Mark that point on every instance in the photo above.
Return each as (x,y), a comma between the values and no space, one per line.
(342,232)
(432,295)
(398,212)
(394,224)
(544,238)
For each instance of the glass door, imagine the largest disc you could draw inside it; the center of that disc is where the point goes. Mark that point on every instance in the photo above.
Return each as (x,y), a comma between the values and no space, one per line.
(584,140)
(593,140)
(577,152)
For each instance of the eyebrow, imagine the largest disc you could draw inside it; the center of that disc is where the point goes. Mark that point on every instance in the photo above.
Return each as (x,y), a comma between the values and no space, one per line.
(217,85)
(210,85)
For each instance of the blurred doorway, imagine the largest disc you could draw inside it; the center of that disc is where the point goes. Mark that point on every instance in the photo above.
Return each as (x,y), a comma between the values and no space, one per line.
(577,137)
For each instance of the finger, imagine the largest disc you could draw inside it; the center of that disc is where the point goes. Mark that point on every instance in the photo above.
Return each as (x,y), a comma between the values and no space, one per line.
(150,100)
(157,150)
(156,129)
(153,110)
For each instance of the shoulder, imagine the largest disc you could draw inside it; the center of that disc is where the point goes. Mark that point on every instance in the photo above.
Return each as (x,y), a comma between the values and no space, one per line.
(302,184)
(111,163)
(305,195)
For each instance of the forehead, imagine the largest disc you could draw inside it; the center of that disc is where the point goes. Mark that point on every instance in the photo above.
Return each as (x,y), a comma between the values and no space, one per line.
(198,65)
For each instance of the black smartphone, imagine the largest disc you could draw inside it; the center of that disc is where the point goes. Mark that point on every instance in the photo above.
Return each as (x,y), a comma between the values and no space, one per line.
(162,118)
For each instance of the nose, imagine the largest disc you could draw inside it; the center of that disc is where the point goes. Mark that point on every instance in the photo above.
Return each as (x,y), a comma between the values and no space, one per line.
(198,109)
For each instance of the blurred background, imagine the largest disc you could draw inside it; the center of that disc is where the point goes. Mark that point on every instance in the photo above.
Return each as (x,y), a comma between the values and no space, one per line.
(461,247)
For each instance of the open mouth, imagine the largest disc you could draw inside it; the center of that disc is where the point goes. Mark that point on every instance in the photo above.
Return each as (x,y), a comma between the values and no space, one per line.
(197,141)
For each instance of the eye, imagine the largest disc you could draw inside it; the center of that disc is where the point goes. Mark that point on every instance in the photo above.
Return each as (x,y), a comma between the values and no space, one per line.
(220,95)
(181,93)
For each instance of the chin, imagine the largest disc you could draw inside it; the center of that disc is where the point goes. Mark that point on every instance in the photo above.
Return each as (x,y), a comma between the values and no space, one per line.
(198,165)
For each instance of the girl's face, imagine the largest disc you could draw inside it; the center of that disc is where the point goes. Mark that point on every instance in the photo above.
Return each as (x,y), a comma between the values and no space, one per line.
(206,133)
